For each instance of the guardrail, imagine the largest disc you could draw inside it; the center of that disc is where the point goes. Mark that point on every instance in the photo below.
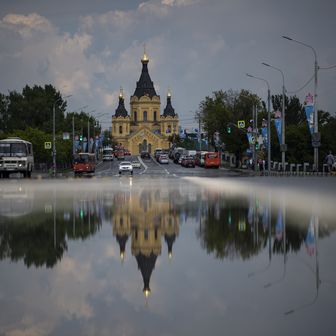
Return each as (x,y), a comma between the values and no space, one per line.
(297,169)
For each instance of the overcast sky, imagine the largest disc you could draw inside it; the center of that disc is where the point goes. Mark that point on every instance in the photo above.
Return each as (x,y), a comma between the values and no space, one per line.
(90,48)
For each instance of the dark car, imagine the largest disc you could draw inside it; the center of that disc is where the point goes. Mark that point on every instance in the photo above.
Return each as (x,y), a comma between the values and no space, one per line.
(145,155)
(188,161)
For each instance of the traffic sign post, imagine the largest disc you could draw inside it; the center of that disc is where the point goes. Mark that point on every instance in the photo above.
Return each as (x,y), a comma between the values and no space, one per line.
(47,145)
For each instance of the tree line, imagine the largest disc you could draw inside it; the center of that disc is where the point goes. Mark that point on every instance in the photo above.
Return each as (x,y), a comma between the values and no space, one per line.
(29,115)
(224,108)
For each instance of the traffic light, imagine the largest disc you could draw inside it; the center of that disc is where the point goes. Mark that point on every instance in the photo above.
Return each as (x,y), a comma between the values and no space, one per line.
(257,146)
(229,129)
(81,138)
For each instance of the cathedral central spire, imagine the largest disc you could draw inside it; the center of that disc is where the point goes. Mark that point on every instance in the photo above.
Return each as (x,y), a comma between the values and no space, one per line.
(145,86)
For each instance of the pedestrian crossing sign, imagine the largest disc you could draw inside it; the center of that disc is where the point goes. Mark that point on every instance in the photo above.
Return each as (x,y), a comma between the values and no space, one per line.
(47,145)
(241,123)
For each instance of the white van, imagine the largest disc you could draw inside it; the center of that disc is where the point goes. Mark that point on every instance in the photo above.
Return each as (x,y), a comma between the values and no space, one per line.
(108,154)
(16,156)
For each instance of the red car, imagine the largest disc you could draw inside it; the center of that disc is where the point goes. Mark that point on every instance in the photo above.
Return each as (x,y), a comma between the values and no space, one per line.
(188,161)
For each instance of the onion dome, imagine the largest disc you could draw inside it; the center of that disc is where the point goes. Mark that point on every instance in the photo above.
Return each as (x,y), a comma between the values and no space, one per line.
(121,110)
(169,110)
(145,86)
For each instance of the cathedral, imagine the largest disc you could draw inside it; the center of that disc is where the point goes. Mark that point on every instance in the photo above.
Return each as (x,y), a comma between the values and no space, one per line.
(144,129)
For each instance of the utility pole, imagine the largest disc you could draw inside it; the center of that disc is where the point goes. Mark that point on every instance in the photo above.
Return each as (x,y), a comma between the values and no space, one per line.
(199,131)
(88,137)
(73,135)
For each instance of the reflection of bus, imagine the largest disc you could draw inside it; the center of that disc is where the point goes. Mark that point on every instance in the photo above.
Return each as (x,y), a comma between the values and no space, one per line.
(211,159)
(84,163)
(108,154)
(16,156)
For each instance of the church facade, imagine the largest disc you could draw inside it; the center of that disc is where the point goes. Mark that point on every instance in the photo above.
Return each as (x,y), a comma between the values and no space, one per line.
(144,128)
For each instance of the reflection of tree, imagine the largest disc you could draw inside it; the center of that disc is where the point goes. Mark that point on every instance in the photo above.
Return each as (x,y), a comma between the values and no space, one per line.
(225,235)
(34,244)
(229,228)
(39,241)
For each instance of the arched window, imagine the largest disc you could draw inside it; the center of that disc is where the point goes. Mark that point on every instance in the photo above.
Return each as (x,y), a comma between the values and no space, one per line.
(120,129)
(154,116)
(145,116)
(135,116)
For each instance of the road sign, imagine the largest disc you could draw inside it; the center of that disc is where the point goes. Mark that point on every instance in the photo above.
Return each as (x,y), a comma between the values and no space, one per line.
(66,135)
(252,140)
(241,123)
(47,145)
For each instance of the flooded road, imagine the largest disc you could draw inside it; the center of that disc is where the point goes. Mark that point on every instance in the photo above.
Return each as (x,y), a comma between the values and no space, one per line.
(164,256)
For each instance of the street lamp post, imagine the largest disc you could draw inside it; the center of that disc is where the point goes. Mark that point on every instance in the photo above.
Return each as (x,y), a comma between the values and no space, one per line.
(283,147)
(54,134)
(268,122)
(255,128)
(316,138)
(73,129)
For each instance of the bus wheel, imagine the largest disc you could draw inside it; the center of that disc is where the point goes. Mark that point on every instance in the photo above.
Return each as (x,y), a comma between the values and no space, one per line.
(29,172)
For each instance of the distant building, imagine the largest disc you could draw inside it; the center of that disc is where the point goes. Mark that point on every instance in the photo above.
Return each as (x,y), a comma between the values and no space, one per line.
(144,129)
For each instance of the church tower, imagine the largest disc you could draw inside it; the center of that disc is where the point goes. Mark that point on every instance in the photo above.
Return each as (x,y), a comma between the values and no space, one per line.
(169,119)
(121,122)
(145,129)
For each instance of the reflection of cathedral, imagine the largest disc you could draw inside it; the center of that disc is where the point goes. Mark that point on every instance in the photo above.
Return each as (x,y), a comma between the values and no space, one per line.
(144,129)
(150,219)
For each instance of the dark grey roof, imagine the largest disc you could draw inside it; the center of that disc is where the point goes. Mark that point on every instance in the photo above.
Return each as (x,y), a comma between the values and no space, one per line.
(121,110)
(145,85)
(169,110)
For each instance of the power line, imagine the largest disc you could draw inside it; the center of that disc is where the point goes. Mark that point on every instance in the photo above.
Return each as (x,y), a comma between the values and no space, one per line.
(329,67)
(296,91)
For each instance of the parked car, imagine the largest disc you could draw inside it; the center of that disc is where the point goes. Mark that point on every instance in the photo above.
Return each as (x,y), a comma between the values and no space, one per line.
(176,157)
(188,161)
(181,158)
(163,158)
(136,164)
(125,167)
(145,155)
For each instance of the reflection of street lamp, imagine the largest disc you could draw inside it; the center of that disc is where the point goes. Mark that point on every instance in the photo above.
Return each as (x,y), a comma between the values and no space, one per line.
(54,134)
(268,122)
(284,247)
(269,241)
(316,68)
(283,146)
(317,273)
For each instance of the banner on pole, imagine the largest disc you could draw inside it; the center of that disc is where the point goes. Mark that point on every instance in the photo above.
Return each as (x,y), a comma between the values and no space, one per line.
(250,138)
(309,110)
(278,123)
(264,134)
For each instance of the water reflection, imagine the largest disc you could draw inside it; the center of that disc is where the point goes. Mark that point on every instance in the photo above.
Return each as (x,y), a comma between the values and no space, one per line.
(146,217)
(90,252)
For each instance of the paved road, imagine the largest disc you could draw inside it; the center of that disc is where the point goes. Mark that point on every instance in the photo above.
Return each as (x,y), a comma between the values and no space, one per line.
(150,167)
